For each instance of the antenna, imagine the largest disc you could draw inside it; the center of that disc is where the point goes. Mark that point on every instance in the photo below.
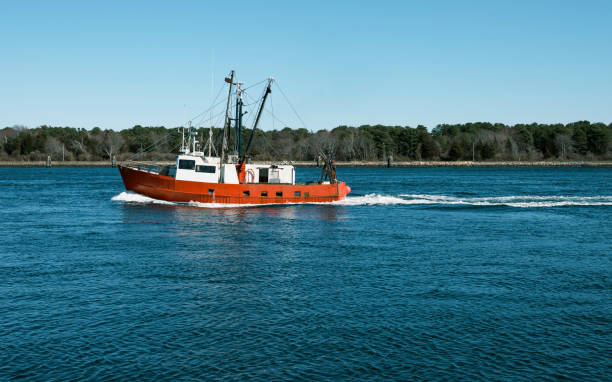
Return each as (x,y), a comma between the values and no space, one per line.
(212,84)
(210,143)
(182,139)
(189,136)
(210,131)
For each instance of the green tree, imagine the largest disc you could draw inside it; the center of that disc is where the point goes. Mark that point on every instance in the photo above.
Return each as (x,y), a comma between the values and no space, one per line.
(580,140)
(26,142)
(429,148)
(486,150)
(457,150)
(598,138)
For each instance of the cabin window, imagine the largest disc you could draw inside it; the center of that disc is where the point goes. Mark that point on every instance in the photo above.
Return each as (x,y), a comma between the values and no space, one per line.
(246,193)
(207,169)
(263,175)
(211,191)
(297,193)
(264,193)
(165,171)
(186,164)
(279,193)
(306,194)
(274,176)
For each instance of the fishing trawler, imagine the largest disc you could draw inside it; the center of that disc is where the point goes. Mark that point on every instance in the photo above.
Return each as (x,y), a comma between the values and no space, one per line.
(230,178)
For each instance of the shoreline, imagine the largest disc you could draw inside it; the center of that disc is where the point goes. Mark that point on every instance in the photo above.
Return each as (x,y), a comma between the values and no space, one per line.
(28,164)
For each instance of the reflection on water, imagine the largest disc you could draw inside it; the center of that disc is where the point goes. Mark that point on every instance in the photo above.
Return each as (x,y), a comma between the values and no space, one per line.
(187,214)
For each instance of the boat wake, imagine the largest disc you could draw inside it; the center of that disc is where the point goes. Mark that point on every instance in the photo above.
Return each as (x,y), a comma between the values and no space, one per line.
(519,201)
(525,201)
(129,197)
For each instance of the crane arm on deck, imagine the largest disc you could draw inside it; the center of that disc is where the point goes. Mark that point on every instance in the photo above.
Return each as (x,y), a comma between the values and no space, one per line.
(261,107)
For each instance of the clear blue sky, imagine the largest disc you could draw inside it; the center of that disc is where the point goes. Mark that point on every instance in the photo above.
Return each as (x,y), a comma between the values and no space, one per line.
(117,64)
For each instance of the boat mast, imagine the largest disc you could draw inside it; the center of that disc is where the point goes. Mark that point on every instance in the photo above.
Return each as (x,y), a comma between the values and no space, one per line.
(226,126)
(238,121)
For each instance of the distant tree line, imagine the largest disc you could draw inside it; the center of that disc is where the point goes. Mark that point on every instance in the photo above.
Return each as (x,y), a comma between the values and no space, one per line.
(470,141)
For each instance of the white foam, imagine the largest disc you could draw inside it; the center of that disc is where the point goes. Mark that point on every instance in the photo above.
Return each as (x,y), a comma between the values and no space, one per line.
(129,197)
(374,199)
(518,201)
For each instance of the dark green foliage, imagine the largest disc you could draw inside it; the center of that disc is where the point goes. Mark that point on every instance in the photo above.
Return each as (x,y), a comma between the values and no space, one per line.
(12,145)
(478,140)
(457,150)
(580,140)
(544,141)
(429,148)
(598,138)
(524,137)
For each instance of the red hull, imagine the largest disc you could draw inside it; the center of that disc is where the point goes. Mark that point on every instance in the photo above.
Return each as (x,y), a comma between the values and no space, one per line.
(167,188)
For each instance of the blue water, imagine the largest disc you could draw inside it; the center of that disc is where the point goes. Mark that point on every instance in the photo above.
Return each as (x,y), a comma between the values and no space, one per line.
(474,274)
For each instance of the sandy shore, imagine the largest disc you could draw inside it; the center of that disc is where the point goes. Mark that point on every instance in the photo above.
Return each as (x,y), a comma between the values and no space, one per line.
(347,164)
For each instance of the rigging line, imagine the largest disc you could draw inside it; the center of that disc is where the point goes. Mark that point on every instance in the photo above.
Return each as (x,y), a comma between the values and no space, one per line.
(207,110)
(290,105)
(166,153)
(253,100)
(212,88)
(266,139)
(270,146)
(272,107)
(276,118)
(155,160)
(142,151)
(248,119)
(202,114)
(218,120)
(272,114)
(202,121)
(261,100)
(249,104)
(259,83)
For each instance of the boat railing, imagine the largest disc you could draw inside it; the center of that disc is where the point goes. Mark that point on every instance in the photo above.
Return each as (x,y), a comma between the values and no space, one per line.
(151,167)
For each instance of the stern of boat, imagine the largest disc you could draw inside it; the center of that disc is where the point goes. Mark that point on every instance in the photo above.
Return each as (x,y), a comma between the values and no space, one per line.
(343,189)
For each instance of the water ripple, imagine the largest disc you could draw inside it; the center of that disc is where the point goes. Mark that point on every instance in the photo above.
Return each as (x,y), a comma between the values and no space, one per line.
(427,274)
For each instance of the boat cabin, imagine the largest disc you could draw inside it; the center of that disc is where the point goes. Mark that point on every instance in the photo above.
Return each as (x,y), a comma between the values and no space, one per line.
(201,168)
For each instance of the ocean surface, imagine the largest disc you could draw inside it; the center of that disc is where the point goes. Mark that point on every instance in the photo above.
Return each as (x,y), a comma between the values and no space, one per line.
(422,273)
